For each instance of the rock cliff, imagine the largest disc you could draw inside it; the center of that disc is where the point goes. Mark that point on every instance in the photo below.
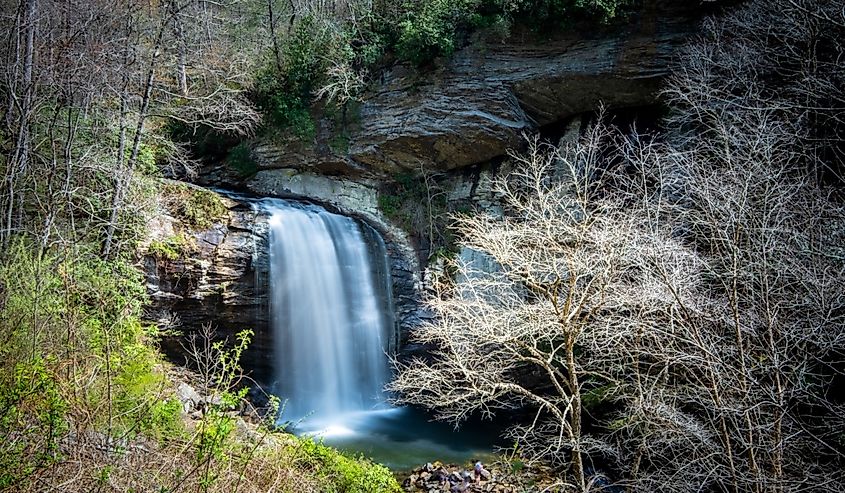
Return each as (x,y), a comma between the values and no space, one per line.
(458,120)
(475,106)
(211,275)
(219,274)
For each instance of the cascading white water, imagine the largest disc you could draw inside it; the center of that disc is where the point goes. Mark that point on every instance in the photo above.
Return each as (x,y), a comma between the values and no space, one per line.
(330,314)
(330,309)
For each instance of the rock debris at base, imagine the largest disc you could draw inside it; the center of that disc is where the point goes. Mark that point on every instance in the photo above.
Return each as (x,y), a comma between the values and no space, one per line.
(450,478)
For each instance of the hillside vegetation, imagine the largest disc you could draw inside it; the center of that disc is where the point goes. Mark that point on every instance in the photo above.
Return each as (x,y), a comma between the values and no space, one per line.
(678,294)
(670,305)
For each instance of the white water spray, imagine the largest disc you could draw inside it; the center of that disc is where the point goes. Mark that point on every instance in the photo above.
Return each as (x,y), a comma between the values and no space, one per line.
(330,313)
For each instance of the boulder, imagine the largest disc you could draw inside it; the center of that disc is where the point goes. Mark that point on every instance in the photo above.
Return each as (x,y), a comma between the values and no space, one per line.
(188,396)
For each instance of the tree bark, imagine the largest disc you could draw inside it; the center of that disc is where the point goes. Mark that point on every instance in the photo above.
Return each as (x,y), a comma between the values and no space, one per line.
(20,158)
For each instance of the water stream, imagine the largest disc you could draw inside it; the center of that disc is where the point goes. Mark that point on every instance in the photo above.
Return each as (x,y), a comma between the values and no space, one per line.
(332,323)
(329,314)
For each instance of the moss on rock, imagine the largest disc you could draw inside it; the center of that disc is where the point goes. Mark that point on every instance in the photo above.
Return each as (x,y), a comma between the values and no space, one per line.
(195,207)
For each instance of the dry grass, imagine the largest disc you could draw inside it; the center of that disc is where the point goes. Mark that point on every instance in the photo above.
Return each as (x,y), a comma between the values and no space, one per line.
(256,463)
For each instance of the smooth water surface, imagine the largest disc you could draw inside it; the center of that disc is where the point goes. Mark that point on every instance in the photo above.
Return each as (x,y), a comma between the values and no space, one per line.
(404,438)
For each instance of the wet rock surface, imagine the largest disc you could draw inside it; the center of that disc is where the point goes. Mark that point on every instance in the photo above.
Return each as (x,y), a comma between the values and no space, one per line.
(218,277)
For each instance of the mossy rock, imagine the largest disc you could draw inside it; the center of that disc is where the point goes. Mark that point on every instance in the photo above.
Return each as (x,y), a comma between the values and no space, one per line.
(171,248)
(198,209)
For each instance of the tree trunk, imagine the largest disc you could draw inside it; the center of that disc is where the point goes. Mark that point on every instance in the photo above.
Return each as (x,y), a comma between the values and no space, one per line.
(181,67)
(20,158)
(124,176)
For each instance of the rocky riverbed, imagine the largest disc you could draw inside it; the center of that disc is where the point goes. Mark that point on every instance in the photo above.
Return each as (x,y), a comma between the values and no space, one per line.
(437,477)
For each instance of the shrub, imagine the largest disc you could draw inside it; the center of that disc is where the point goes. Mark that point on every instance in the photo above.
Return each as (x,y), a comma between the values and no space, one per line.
(345,474)
(552,14)
(31,418)
(240,159)
(164,420)
(283,88)
(435,28)
(169,249)
(432,29)
(419,205)
(287,107)
(69,318)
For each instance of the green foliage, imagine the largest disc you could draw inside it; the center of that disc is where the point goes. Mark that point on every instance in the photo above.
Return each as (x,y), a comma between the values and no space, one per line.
(31,417)
(605,10)
(431,29)
(197,208)
(104,474)
(419,206)
(216,428)
(345,474)
(283,87)
(106,296)
(217,425)
(415,31)
(171,248)
(435,28)
(138,394)
(162,250)
(202,208)
(390,204)
(593,398)
(284,104)
(554,14)
(240,159)
(66,317)
(230,369)
(164,420)
(408,190)
(148,155)
(372,49)
(31,299)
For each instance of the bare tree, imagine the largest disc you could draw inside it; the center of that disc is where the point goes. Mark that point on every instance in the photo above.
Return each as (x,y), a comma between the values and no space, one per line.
(515,337)
(21,97)
(739,386)
(210,96)
(695,278)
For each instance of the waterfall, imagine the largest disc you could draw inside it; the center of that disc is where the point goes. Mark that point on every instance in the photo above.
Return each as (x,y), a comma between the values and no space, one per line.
(330,313)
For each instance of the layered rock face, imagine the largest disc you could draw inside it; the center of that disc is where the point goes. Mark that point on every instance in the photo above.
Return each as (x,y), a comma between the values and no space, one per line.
(468,111)
(478,105)
(454,120)
(472,108)
(218,277)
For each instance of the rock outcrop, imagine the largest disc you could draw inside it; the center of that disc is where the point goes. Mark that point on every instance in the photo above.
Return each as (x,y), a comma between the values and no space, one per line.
(217,275)
(477,104)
